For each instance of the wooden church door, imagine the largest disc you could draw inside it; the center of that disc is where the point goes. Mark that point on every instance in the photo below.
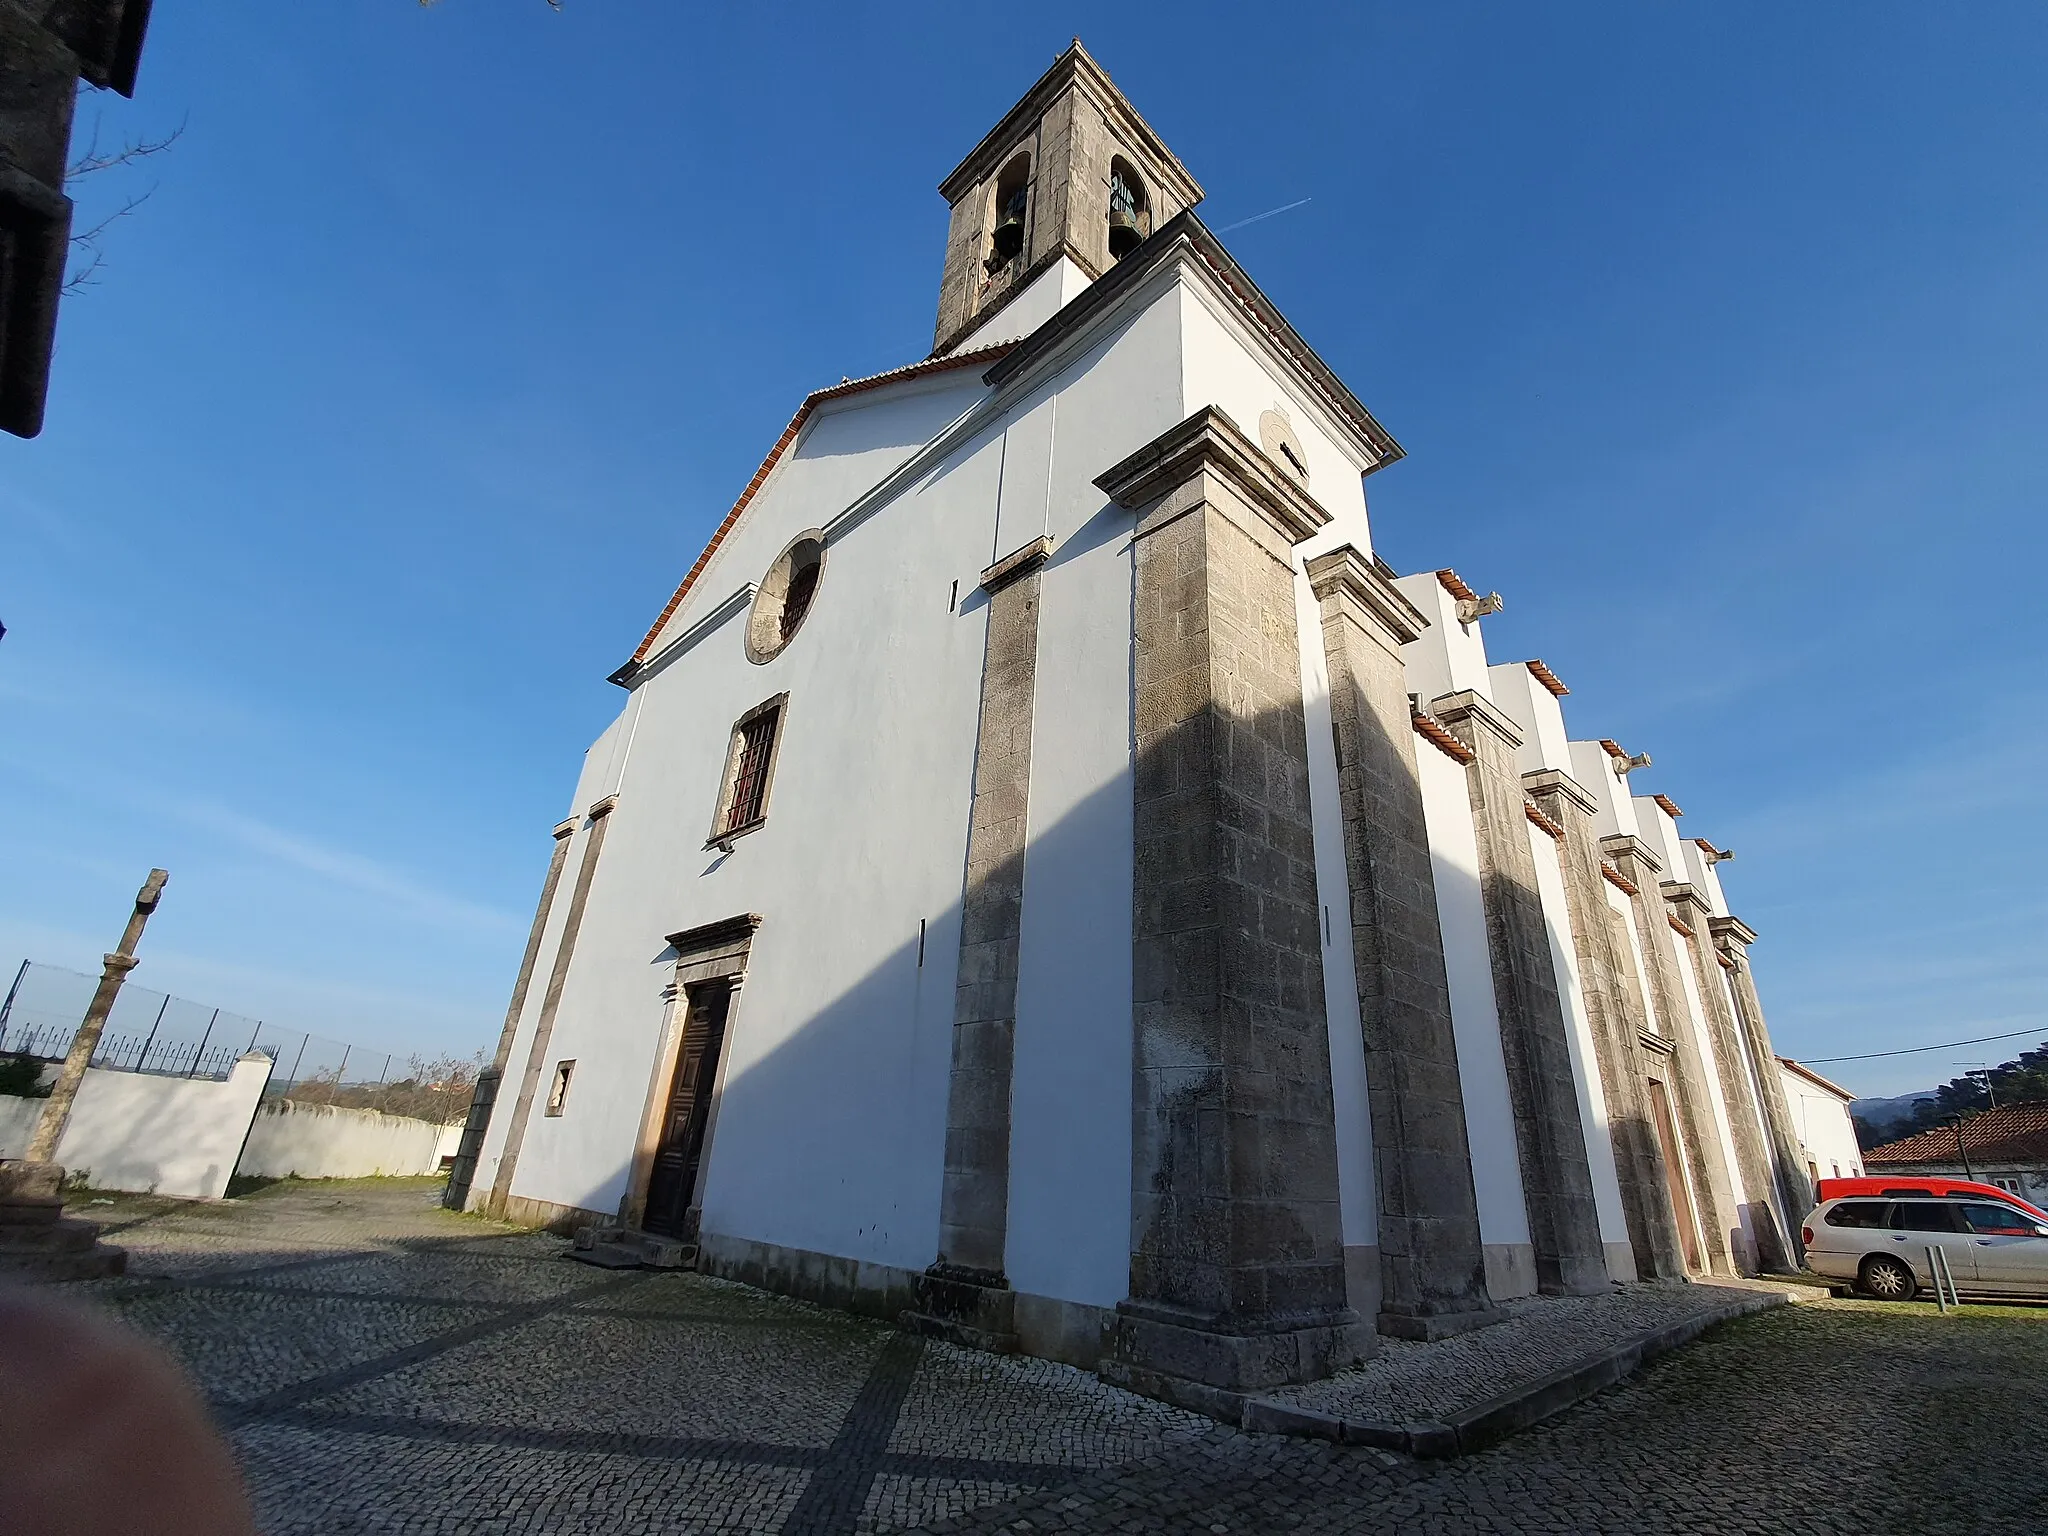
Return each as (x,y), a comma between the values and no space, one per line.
(673,1179)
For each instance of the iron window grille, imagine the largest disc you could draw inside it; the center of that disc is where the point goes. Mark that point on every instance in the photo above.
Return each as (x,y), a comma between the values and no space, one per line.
(750,770)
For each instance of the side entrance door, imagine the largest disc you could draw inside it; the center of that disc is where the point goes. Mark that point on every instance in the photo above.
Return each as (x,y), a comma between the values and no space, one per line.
(672,1182)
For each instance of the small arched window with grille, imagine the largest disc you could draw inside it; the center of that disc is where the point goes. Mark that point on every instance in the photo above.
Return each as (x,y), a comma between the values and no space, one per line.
(1130,211)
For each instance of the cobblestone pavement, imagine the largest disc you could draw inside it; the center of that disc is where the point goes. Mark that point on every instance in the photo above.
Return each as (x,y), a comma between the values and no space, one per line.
(385,1366)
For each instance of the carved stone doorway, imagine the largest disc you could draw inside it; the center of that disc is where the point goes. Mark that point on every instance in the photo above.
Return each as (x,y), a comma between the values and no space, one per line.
(680,1121)
(679,1152)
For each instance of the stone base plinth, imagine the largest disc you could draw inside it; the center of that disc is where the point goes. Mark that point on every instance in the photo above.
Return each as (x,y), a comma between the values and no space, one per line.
(1201,1366)
(1428,1329)
(971,1307)
(37,1240)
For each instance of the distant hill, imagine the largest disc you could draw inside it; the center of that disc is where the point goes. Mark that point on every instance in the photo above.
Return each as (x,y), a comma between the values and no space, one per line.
(1885,1115)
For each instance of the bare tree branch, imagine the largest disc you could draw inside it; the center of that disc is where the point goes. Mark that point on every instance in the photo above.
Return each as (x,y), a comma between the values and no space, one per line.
(94,160)
(85,244)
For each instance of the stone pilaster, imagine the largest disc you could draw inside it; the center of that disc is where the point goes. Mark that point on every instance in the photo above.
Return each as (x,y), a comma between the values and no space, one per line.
(1614,1010)
(551,1002)
(1432,1264)
(484,1100)
(1731,1059)
(1237,1269)
(1691,1103)
(965,1295)
(1550,1138)
(1732,938)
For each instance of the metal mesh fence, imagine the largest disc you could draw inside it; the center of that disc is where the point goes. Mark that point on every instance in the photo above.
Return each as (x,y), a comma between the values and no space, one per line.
(173,1036)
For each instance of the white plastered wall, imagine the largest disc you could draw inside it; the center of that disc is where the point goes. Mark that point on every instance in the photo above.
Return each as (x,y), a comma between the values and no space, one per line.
(829,1126)
(1070,1099)
(1475,1023)
(1821,1121)
(1043,297)
(148,1133)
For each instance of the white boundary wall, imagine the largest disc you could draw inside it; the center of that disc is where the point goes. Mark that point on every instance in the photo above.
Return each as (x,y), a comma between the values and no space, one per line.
(156,1135)
(326,1141)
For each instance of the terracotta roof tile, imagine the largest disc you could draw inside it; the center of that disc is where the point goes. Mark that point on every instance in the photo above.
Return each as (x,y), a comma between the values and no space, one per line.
(1442,740)
(1547,678)
(2016,1133)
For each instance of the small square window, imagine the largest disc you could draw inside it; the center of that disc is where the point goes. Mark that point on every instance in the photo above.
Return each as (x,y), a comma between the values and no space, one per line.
(559,1092)
(749,770)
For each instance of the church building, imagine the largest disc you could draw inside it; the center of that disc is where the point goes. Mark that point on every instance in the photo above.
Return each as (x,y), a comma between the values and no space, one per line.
(1051,882)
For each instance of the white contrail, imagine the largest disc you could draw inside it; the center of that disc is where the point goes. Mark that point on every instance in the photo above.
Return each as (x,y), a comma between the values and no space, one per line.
(1240,224)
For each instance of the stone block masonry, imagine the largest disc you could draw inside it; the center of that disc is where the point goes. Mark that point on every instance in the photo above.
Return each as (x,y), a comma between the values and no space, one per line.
(1237,1271)
(1614,1009)
(965,1294)
(1432,1263)
(1550,1140)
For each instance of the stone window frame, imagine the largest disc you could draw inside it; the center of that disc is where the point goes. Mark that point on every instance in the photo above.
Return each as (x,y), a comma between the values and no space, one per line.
(768,633)
(558,1088)
(723,833)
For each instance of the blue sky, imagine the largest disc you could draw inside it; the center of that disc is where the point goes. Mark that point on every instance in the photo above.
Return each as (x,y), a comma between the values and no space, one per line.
(1715,335)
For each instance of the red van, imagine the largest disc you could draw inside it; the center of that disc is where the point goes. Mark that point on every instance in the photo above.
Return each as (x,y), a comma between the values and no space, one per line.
(1899,1185)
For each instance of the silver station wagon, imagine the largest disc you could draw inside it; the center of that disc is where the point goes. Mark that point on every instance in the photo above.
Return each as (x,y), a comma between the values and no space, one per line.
(1881,1246)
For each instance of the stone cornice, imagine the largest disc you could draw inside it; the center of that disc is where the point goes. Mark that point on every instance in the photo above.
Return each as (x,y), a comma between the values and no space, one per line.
(563,829)
(1626,845)
(1018,563)
(1344,572)
(1210,443)
(1683,893)
(1555,781)
(1454,709)
(602,807)
(725,931)
(1075,66)
(1657,1043)
(1732,930)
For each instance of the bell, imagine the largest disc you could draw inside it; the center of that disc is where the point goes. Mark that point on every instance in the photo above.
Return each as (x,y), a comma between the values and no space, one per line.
(1124,234)
(1008,239)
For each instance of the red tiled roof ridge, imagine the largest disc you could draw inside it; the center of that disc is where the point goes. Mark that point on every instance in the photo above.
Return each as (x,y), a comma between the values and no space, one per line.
(2015,1131)
(1547,678)
(789,434)
(1454,584)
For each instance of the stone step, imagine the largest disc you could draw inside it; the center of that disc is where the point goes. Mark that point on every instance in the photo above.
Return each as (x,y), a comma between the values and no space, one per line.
(92,1264)
(67,1236)
(30,1210)
(623,1248)
(608,1256)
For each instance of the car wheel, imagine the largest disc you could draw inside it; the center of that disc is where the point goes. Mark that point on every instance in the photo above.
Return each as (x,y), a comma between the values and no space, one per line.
(1888,1279)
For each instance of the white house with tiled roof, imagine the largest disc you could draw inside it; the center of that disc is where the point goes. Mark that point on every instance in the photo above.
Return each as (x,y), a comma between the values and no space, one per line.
(1051,881)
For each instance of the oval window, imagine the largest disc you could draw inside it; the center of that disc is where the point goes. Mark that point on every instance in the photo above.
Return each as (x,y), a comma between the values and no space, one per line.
(785,598)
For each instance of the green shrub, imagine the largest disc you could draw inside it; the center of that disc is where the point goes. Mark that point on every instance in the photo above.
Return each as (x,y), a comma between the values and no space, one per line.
(22,1076)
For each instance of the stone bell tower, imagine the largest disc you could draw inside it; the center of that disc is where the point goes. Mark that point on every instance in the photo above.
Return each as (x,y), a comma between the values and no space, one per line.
(1072,171)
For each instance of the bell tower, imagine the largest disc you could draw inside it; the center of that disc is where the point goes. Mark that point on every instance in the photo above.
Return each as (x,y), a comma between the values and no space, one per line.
(1071,171)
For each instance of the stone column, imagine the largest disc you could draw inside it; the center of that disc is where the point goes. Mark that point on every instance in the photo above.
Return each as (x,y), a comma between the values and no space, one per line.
(1614,1010)
(42,1147)
(483,1101)
(551,1001)
(1550,1139)
(1432,1264)
(966,1296)
(1691,1103)
(1732,938)
(1688,907)
(1237,1263)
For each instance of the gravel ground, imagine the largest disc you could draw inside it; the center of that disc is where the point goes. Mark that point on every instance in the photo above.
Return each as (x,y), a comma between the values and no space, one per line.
(382,1365)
